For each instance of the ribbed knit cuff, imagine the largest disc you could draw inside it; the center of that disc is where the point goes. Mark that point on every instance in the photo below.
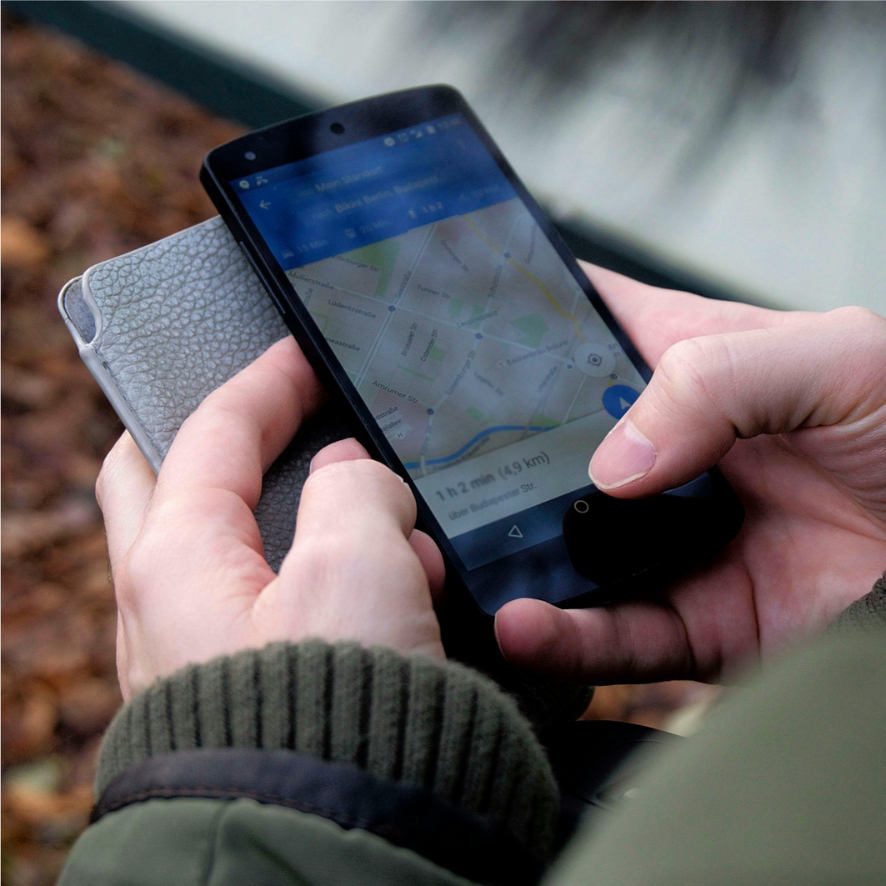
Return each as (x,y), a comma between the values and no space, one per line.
(440,726)
(868,613)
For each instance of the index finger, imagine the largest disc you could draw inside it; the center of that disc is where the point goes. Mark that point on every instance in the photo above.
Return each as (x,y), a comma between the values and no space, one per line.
(679,636)
(234,436)
(633,642)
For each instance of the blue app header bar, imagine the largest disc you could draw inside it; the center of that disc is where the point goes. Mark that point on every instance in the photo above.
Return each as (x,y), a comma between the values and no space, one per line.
(351,197)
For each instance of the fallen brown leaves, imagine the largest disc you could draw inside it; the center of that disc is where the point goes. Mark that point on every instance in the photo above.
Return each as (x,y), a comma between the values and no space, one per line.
(96,161)
(22,245)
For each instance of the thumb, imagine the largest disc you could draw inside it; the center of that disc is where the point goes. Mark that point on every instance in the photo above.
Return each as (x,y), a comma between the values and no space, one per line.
(707,392)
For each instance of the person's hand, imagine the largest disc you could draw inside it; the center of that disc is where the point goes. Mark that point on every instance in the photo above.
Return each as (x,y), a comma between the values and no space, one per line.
(793,408)
(189,570)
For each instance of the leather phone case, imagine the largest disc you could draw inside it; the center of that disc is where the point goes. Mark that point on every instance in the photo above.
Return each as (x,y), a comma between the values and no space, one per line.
(163,326)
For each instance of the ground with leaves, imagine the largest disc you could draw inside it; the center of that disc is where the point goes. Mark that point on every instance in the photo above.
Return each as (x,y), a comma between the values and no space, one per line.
(97,161)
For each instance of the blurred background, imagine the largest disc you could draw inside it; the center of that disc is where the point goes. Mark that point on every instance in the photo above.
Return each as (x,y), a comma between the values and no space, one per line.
(733,149)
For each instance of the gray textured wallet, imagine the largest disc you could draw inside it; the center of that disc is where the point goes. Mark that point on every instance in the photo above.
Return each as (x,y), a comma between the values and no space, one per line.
(162,327)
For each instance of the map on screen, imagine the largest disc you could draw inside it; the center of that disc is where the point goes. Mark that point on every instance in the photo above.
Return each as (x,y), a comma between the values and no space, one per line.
(464,335)
(475,348)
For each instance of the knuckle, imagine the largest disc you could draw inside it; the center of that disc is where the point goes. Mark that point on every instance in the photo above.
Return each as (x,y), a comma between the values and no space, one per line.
(318,562)
(339,557)
(855,315)
(100,482)
(866,328)
(861,342)
(109,469)
(165,538)
(363,474)
(321,559)
(125,581)
(675,366)
(687,369)
(352,467)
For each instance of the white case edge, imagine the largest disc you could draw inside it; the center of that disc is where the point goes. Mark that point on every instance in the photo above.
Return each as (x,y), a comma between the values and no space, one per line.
(99,371)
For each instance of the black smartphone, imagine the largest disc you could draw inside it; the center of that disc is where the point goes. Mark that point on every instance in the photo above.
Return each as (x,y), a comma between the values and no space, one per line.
(438,303)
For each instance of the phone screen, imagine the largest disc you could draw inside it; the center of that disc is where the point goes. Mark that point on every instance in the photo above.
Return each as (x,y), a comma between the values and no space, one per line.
(428,287)
(476,348)
(471,342)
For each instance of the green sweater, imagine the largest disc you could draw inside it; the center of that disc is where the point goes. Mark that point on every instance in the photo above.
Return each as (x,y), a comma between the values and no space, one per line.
(321,764)
(444,728)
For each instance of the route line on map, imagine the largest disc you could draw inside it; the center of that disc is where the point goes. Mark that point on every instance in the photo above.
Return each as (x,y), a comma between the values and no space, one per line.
(412,465)
(528,274)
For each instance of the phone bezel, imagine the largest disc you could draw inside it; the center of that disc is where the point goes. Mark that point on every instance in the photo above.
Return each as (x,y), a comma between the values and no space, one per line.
(310,135)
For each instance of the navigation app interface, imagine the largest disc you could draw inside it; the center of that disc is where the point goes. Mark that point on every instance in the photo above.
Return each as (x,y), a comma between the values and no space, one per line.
(477,352)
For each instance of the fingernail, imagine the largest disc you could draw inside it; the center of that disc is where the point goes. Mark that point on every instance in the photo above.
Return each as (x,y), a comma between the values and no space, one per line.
(625,456)
(311,468)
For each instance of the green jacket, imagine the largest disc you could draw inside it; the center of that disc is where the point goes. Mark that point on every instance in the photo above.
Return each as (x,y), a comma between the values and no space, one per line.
(327,764)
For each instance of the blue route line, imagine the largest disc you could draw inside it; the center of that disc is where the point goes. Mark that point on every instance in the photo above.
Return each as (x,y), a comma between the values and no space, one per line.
(411,465)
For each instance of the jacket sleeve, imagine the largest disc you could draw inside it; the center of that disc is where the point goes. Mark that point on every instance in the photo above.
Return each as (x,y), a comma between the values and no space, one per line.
(784,784)
(317,763)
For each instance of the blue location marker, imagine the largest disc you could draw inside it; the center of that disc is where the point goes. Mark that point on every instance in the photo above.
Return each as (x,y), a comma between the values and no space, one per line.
(618,399)
(391,308)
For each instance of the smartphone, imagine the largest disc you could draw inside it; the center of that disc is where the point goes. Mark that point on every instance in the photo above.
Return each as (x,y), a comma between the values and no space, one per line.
(440,306)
